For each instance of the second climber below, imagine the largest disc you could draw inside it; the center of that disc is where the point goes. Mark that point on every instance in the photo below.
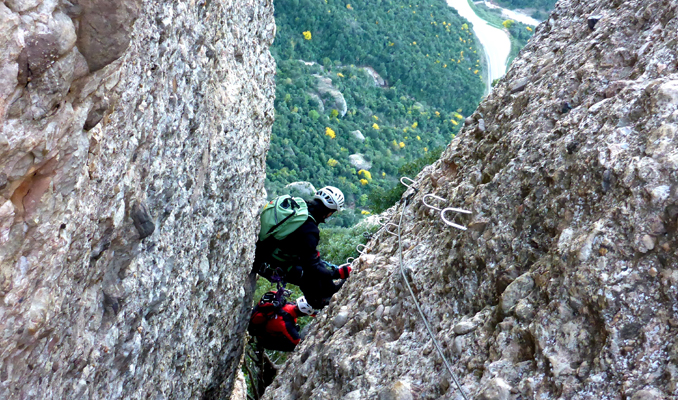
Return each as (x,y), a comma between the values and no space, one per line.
(296,256)
(275,325)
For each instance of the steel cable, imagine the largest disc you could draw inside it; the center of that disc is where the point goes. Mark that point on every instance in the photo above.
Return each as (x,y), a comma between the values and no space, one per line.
(416,303)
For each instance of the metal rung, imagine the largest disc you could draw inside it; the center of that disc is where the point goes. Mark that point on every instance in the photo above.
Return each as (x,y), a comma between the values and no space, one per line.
(408,179)
(389,231)
(364,248)
(434,197)
(450,223)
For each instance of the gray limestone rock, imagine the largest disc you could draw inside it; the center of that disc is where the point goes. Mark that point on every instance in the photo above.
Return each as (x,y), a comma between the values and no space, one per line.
(359,161)
(519,85)
(358,135)
(464,327)
(95,115)
(302,188)
(39,54)
(496,389)
(105,29)
(651,394)
(88,310)
(143,222)
(340,319)
(575,278)
(516,291)
(325,87)
(398,390)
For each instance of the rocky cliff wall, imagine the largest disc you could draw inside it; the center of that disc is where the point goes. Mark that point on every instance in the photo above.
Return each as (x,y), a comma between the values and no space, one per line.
(133,138)
(565,286)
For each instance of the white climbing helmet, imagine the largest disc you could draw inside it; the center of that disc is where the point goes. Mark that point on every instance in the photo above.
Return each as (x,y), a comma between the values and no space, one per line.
(331,197)
(304,306)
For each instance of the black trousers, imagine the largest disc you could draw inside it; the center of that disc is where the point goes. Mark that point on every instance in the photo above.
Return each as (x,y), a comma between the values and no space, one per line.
(317,284)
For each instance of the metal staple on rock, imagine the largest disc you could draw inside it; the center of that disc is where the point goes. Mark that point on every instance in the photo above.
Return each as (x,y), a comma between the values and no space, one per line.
(409,288)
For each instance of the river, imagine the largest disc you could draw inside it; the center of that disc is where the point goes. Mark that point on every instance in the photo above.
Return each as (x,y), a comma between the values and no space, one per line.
(514,15)
(496,43)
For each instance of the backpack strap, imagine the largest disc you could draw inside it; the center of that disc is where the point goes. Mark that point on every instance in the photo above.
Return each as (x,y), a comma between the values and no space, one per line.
(293,205)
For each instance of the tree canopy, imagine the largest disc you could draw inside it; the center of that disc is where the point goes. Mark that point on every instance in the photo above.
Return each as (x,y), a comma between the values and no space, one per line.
(335,116)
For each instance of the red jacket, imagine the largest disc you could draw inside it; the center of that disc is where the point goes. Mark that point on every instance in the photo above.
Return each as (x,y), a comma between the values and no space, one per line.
(278,332)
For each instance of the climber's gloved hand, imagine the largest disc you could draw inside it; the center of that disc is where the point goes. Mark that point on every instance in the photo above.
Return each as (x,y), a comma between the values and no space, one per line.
(344,271)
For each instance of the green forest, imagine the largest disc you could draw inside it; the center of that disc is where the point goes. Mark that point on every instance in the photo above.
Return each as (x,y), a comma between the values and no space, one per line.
(343,124)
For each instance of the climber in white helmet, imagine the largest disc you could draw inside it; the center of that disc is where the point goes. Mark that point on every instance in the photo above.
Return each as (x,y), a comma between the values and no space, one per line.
(295,257)
(274,323)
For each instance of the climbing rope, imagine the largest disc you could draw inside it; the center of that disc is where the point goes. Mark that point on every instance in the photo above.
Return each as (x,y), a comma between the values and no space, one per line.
(409,288)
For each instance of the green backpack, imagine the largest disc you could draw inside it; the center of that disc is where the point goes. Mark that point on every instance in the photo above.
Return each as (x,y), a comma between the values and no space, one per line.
(282,216)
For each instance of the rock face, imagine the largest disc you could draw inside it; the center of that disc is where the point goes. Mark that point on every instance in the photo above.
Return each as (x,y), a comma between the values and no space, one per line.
(133,137)
(359,161)
(565,286)
(325,88)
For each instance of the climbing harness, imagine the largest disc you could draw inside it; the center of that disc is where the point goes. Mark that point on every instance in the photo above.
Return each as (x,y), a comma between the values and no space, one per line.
(282,293)
(407,283)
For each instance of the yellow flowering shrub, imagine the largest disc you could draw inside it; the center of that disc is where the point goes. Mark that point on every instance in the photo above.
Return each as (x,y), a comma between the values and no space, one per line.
(401,144)
(349,7)
(375,126)
(415,125)
(364,182)
(332,162)
(454,122)
(365,174)
(307,35)
(329,132)
(339,74)
(375,118)
(418,138)
(365,212)
(528,28)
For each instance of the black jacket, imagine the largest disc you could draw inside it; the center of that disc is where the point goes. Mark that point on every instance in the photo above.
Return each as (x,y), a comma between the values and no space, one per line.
(299,248)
